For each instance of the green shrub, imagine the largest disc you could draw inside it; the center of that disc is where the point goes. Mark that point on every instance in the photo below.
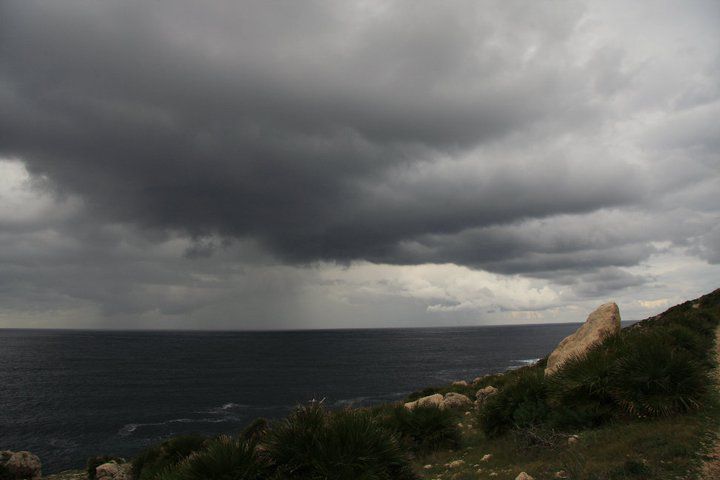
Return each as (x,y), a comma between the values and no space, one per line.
(646,372)
(423,429)
(169,453)
(520,403)
(655,380)
(256,430)
(314,444)
(696,344)
(579,392)
(96,461)
(223,458)
(633,469)
(655,368)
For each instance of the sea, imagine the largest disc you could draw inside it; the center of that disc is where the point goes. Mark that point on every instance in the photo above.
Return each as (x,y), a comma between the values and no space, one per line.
(66,395)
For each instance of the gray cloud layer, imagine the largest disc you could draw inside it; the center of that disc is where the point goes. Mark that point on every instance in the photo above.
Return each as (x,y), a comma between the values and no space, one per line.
(513,137)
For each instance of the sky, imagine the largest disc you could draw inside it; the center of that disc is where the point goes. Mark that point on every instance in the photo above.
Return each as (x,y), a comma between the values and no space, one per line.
(320,164)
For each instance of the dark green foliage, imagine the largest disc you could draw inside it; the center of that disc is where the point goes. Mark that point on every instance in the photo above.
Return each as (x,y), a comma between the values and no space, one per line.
(423,429)
(632,469)
(688,339)
(94,462)
(580,391)
(169,453)
(655,380)
(256,430)
(223,458)
(520,403)
(313,444)
(655,368)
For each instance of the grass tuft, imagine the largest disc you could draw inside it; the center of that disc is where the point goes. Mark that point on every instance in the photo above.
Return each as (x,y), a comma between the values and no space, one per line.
(314,444)
(223,458)
(159,458)
(423,429)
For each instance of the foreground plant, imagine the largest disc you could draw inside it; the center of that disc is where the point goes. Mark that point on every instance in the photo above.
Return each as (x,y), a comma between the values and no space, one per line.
(223,458)
(159,458)
(423,429)
(350,444)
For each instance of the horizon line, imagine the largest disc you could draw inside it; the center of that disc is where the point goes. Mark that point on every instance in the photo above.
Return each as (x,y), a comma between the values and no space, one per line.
(288,330)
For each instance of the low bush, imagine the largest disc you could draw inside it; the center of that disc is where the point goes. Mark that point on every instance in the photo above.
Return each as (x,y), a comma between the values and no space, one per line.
(256,430)
(158,458)
(656,380)
(691,341)
(223,458)
(655,368)
(579,392)
(520,403)
(632,469)
(423,429)
(314,444)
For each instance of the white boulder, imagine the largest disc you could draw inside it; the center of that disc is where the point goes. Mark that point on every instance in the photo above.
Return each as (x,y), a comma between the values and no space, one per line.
(113,471)
(435,400)
(600,324)
(483,394)
(455,400)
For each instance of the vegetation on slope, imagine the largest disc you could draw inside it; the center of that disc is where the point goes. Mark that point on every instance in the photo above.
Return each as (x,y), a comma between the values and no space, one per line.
(636,406)
(657,368)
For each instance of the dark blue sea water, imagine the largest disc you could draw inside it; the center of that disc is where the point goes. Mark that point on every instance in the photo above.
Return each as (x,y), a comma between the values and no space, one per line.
(66,395)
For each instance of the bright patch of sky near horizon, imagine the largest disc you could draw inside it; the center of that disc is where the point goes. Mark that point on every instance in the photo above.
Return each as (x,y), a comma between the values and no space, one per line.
(254,165)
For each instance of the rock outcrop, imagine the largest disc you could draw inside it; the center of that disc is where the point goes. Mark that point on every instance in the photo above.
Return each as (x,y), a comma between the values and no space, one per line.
(600,324)
(21,465)
(450,400)
(455,400)
(113,471)
(483,395)
(430,401)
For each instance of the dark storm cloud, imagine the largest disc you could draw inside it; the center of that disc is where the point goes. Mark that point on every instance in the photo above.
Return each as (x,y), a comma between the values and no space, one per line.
(193,158)
(317,130)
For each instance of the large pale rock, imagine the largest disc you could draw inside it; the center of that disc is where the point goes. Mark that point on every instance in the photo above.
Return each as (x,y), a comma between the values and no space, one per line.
(483,394)
(113,471)
(523,476)
(455,400)
(435,400)
(21,465)
(600,324)
(450,400)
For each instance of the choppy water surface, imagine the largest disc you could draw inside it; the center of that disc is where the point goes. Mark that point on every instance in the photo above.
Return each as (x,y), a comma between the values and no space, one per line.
(66,395)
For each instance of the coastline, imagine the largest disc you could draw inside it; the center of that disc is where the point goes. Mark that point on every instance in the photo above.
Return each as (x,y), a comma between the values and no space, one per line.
(651,448)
